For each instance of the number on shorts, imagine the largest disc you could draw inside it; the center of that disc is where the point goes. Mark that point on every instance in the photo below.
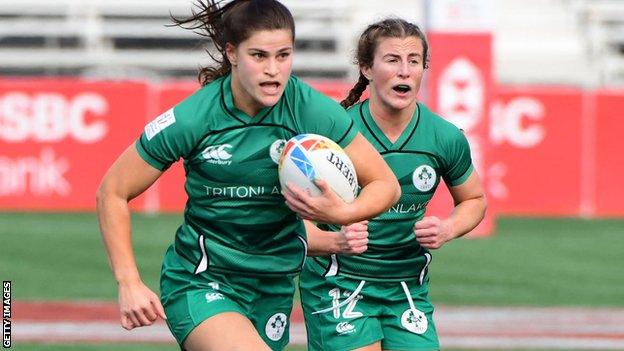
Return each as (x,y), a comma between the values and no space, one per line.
(335,294)
(348,311)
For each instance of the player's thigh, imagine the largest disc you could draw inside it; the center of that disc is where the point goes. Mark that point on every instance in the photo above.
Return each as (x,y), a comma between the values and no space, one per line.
(228,331)
(338,313)
(270,313)
(408,319)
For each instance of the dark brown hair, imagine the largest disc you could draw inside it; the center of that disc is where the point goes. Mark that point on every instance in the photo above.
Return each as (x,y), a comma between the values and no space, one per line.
(369,40)
(233,22)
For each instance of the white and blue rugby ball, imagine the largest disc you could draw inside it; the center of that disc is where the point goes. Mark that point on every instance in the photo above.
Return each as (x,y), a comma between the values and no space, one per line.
(307,157)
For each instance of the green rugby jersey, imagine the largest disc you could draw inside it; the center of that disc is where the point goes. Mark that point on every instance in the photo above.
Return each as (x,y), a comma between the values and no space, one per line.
(236,219)
(429,149)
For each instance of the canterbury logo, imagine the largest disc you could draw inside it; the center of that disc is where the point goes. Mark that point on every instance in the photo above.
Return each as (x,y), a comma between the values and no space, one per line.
(210,297)
(345,328)
(217,152)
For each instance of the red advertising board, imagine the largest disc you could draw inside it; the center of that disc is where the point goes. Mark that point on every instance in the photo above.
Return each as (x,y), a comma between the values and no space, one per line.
(608,168)
(537,134)
(58,137)
(459,88)
(544,150)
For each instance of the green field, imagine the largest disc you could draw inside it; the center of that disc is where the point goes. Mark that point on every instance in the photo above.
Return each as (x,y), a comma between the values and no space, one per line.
(528,261)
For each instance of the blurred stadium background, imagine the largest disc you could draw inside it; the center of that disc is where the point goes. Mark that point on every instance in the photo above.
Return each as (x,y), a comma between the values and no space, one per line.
(538,85)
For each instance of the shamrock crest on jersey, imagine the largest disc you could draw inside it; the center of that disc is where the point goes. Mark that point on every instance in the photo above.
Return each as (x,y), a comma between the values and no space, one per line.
(424,178)
(414,321)
(276,149)
(275,326)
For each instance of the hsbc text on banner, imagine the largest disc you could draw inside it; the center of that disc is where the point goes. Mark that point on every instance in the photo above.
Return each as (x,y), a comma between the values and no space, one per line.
(537,159)
(459,84)
(59,136)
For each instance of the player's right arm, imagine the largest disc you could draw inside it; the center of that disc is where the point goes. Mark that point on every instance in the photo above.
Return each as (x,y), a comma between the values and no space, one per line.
(127,178)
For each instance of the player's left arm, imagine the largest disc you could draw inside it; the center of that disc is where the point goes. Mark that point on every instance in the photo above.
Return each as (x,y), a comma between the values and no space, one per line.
(470,205)
(350,240)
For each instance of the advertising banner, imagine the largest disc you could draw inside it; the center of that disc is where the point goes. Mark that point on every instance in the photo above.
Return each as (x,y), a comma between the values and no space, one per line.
(58,137)
(608,168)
(537,136)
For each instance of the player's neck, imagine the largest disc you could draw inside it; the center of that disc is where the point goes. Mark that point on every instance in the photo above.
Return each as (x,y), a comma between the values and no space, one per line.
(243,100)
(391,121)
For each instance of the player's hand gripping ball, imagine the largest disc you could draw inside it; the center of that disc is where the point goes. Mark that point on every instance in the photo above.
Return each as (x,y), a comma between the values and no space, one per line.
(307,157)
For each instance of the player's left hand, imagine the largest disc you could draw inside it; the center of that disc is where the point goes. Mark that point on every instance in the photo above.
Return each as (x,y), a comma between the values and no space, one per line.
(353,238)
(432,232)
(327,208)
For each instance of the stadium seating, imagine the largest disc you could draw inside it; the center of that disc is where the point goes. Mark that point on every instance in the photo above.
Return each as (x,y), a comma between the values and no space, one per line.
(604,20)
(131,38)
(577,42)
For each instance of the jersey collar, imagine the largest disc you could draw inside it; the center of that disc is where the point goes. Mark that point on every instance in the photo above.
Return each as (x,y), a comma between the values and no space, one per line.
(227,100)
(380,136)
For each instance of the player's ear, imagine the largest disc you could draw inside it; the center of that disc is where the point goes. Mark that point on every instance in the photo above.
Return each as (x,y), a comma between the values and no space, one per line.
(230,52)
(366,72)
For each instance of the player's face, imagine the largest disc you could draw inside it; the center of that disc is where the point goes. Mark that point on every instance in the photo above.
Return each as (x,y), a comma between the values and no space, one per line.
(397,72)
(261,66)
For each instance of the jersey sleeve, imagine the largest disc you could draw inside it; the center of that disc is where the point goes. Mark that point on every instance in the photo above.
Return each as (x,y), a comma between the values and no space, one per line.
(458,160)
(324,116)
(169,137)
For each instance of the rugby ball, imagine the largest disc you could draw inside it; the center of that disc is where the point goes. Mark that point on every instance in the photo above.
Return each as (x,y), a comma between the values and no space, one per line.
(307,157)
